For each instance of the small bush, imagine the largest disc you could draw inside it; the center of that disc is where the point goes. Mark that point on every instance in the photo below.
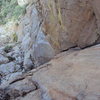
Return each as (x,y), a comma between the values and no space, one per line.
(10,10)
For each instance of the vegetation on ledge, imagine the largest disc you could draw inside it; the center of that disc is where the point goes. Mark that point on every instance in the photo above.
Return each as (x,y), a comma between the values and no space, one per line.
(10,10)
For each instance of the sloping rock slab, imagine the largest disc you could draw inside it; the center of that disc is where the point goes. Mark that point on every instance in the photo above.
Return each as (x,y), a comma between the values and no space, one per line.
(73,76)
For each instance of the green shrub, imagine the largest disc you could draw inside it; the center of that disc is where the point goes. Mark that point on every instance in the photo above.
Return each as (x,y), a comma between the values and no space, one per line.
(10,10)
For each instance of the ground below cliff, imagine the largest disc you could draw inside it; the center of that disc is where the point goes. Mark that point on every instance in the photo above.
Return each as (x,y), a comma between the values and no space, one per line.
(71,75)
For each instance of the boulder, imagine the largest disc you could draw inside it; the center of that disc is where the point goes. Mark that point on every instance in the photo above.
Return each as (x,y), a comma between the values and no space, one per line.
(68,23)
(71,75)
(8,68)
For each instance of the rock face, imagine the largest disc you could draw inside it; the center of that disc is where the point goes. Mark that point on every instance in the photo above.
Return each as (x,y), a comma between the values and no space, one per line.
(71,22)
(74,76)
(64,23)
(37,50)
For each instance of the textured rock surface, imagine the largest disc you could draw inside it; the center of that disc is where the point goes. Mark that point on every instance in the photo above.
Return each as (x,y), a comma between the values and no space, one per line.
(6,80)
(6,33)
(65,23)
(22,87)
(3,60)
(18,88)
(75,74)
(96,7)
(51,26)
(37,50)
(71,22)
(11,63)
(72,75)
(9,68)
(31,96)
(4,95)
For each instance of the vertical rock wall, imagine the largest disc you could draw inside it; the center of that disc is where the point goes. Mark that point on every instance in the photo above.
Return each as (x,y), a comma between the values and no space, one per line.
(36,48)
(71,22)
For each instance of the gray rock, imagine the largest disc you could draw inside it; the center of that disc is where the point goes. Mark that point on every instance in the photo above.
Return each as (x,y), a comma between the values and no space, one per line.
(17,55)
(28,63)
(36,48)
(6,80)
(4,95)
(9,68)
(3,60)
(20,88)
(43,51)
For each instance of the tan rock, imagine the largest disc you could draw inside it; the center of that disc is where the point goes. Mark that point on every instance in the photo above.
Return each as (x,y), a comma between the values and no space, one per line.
(96,6)
(55,94)
(70,22)
(75,74)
